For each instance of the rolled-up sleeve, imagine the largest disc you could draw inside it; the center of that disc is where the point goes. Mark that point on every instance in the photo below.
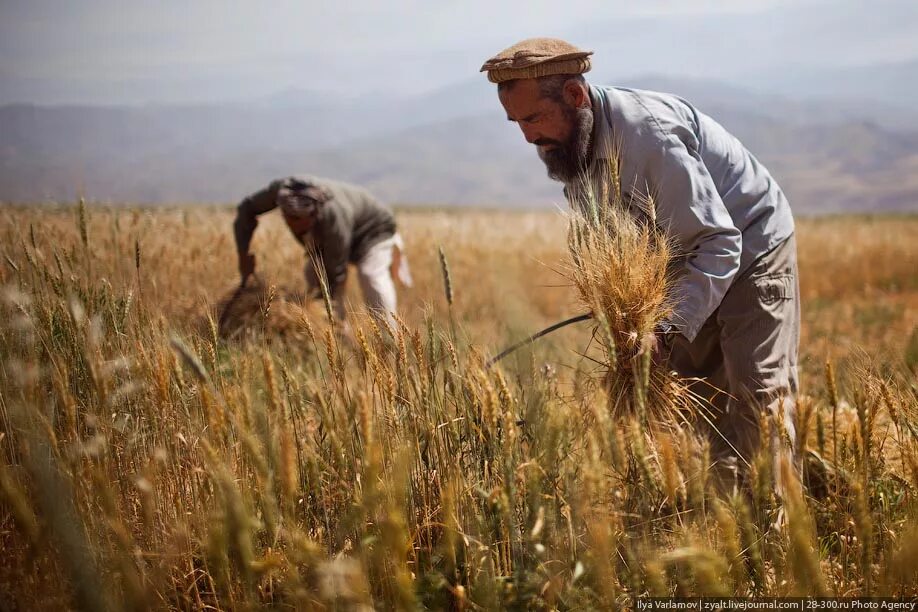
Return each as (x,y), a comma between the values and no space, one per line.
(690,210)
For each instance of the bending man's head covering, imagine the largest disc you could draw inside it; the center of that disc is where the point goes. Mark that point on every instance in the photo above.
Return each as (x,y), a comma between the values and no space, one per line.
(301,198)
(537,57)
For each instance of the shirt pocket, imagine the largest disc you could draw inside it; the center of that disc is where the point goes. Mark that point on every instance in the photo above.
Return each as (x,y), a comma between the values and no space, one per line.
(775,287)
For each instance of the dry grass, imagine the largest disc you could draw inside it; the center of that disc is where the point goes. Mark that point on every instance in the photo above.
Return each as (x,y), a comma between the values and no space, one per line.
(147,463)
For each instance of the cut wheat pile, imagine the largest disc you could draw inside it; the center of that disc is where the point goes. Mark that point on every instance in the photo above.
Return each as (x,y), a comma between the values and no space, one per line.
(261,309)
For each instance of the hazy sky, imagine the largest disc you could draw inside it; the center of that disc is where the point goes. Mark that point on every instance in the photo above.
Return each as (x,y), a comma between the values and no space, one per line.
(115,51)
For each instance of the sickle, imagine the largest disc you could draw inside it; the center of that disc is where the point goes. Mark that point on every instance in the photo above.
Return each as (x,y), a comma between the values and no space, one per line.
(536,336)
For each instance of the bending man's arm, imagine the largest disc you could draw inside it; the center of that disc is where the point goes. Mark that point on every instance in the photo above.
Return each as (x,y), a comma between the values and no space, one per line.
(247,213)
(690,210)
(247,220)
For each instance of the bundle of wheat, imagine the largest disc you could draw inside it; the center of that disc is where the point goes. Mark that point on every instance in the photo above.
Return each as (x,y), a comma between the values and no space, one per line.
(620,262)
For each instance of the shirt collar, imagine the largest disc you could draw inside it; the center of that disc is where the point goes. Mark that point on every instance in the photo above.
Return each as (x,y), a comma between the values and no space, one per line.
(602,131)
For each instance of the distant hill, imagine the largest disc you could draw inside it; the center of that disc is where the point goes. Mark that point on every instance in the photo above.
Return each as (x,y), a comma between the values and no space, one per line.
(894,85)
(483,160)
(450,146)
(819,107)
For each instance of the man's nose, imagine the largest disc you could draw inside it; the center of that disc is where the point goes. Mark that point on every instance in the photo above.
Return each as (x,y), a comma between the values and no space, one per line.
(530,134)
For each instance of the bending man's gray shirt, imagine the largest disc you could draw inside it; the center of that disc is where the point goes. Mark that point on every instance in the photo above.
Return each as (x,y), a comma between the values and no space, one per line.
(349,224)
(713,198)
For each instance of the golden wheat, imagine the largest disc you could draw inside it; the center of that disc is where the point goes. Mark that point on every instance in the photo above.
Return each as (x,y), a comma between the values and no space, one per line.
(148,462)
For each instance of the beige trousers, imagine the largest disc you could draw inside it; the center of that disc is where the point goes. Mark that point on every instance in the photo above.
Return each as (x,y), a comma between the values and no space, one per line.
(747,352)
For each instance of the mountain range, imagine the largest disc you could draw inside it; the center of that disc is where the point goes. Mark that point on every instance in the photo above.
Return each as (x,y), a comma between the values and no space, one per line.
(839,148)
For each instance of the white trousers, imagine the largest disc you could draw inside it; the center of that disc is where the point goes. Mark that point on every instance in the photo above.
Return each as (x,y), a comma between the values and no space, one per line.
(376,271)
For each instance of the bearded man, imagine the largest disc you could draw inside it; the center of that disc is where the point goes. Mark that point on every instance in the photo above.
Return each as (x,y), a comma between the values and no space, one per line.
(338,224)
(736,319)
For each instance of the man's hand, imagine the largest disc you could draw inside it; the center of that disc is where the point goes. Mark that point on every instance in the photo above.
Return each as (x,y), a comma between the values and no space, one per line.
(246,265)
(658,343)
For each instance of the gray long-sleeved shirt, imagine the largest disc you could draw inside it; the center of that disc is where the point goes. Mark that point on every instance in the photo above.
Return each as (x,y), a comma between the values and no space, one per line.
(348,224)
(716,201)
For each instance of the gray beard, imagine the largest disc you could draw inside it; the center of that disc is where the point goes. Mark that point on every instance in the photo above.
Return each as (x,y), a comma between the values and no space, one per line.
(567,162)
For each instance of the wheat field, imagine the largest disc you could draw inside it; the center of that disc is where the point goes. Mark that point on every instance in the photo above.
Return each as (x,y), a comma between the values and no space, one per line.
(149,461)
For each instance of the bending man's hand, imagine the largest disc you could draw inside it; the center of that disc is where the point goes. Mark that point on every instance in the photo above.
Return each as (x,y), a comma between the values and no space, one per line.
(246,266)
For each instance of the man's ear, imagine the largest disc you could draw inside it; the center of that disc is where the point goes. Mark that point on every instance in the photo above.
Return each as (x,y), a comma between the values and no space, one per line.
(575,94)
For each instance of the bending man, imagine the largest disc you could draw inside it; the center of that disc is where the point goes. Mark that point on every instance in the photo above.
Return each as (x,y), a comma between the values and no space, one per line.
(338,224)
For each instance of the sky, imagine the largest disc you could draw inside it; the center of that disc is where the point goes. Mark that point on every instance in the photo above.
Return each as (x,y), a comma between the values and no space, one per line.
(122,52)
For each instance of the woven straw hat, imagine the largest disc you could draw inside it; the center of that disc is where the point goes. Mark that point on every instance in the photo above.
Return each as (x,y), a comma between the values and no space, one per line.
(537,57)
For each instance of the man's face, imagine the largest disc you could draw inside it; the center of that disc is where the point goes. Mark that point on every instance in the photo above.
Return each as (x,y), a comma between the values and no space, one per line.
(299,225)
(560,131)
